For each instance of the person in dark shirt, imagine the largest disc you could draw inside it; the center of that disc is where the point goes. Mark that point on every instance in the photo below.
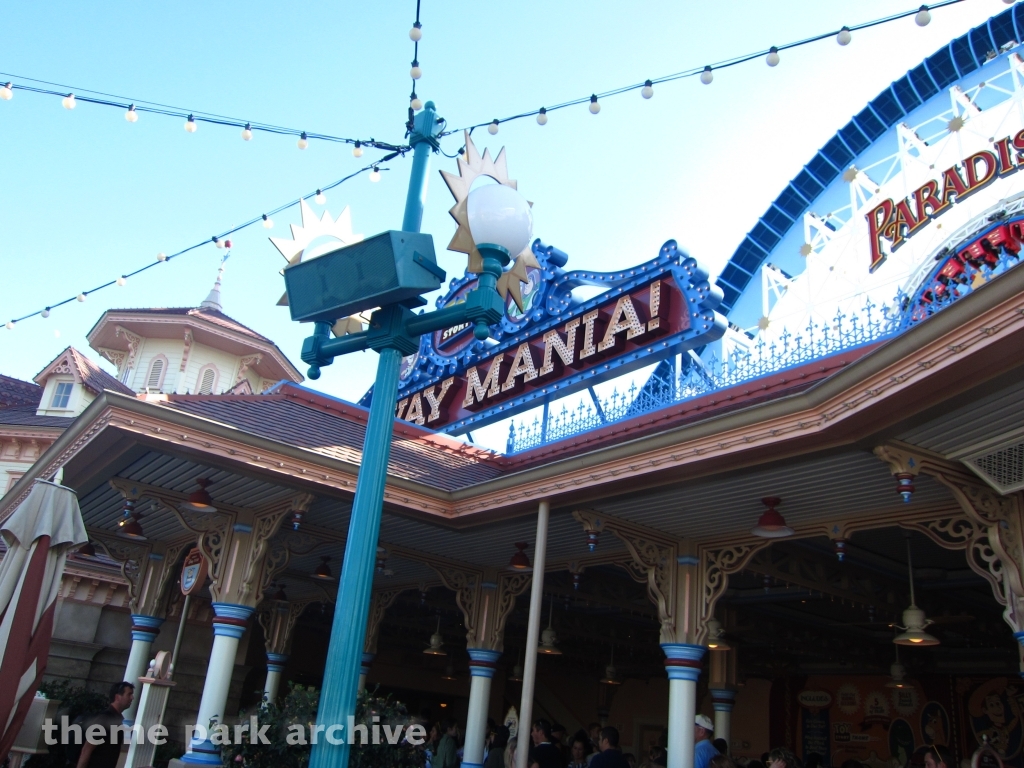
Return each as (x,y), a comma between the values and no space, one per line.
(106,753)
(544,754)
(609,756)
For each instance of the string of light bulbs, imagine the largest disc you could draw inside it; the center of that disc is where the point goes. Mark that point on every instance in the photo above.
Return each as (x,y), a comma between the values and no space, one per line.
(843,36)
(71,95)
(222,240)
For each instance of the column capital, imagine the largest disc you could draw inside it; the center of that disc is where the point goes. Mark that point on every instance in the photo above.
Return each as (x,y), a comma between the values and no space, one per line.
(483,662)
(364,668)
(145,628)
(231,619)
(683,661)
(276,662)
(722,699)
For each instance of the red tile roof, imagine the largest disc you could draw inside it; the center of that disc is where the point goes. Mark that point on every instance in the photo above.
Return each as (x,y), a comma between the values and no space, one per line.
(306,419)
(15,392)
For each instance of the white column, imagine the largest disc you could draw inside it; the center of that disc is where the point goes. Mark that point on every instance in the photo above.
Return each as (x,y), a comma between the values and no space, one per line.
(228,628)
(682,662)
(364,669)
(723,699)
(275,669)
(533,636)
(144,631)
(482,664)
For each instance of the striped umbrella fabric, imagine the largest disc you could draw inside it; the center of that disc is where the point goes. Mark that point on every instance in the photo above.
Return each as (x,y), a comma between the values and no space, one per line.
(38,536)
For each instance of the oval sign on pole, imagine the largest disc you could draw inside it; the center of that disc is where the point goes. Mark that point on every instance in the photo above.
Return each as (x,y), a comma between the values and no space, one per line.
(193,572)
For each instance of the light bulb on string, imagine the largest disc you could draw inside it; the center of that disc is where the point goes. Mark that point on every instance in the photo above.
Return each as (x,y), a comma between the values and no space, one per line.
(45,313)
(247,133)
(772,59)
(80,297)
(493,128)
(648,90)
(923,17)
(303,142)
(268,223)
(542,117)
(161,257)
(190,124)
(416,104)
(9,325)
(707,75)
(217,241)
(375,174)
(357,150)
(595,106)
(416,33)
(844,37)
(415,73)
(320,197)
(122,280)
(7,92)
(68,101)
(131,115)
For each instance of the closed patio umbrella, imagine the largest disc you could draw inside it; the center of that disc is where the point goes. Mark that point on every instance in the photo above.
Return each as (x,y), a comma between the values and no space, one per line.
(38,536)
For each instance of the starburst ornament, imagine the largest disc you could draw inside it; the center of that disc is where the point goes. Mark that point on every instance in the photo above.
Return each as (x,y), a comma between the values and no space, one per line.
(334,231)
(473,165)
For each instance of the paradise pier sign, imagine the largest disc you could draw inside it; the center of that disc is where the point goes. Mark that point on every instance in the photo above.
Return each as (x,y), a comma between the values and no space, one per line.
(555,345)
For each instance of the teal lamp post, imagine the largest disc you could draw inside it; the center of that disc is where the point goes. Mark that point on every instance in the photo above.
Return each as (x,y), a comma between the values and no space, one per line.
(390,271)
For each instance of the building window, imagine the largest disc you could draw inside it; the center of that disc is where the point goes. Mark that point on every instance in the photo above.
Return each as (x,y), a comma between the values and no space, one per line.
(155,379)
(14,477)
(207,380)
(62,394)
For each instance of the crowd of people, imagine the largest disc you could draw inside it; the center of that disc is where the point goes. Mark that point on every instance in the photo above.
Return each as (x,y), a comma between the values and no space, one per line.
(598,747)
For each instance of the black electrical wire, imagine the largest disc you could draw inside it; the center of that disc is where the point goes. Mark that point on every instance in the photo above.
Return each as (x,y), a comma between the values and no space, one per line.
(698,70)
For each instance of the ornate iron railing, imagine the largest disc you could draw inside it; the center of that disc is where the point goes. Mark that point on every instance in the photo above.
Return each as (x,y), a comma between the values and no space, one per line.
(672,384)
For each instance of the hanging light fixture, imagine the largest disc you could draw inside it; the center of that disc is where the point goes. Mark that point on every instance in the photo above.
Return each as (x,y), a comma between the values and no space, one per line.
(840,549)
(592,537)
(715,632)
(914,620)
(280,596)
(200,501)
(449,672)
(904,485)
(610,676)
(436,641)
(549,638)
(516,675)
(323,571)
(898,673)
(382,559)
(129,526)
(771,525)
(520,561)
(303,141)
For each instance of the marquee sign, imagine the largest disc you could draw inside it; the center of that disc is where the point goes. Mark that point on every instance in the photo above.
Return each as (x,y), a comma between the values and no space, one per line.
(554,345)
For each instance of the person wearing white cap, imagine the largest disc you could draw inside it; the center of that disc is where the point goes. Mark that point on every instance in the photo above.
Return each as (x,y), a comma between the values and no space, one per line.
(703,749)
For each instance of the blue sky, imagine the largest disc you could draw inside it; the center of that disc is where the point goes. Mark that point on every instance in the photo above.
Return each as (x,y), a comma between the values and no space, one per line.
(85,196)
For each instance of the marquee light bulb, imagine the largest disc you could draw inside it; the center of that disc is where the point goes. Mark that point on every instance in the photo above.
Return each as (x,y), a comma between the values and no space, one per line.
(321,198)
(68,101)
(190,124)
(416,33)
(131,115)
(415,73)
(268,223)
(122,280)
(416,104)
(772,59)
(923,17)
(707,76)
(303,142)
(595,107)
(493,128)
(161,257)
(375,175)
(9,325)
(648,90)
(844,37)
(45,313)
(7,92)
(542,117)
(247,133)
(81,297)
(357,150)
